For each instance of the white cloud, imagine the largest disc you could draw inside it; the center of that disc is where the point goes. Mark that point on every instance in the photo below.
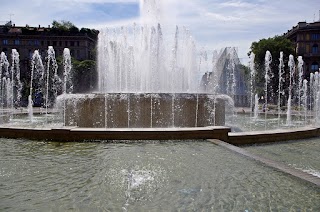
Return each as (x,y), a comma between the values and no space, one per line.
(105,1)
(238,4)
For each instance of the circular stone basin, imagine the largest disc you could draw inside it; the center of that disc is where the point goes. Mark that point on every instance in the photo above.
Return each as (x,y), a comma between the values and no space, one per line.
(137,110)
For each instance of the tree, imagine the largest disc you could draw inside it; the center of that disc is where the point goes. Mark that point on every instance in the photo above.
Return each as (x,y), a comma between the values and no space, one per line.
(83,74)
(64,26)
(275,45)
(93,33)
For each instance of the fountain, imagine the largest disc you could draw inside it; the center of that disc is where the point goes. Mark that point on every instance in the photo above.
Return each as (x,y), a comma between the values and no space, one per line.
(252,76)
(37,71)
(149,79)
(267,77)
(305,99)
(256,106)
(149,87)
(4,76)
(300,81)
(16,84)
(316,96)
(291,65)
(10,85)
(145,82)
(281,80)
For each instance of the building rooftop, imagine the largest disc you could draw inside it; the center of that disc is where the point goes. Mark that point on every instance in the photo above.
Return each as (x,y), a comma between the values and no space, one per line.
(303,26)
(8,29)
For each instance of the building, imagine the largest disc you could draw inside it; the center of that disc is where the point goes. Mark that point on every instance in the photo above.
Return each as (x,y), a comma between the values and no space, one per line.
(28,39)
(306,37)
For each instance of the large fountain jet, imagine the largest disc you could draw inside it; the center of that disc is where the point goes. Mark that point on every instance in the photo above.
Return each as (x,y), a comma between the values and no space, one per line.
(140,59)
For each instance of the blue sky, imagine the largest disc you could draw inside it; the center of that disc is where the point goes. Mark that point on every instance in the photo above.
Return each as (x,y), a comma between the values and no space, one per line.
(213,23)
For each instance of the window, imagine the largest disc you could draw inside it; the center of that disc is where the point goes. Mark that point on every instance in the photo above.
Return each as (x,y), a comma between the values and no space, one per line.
(16,42)
(5,42)
(315,36)
(71,43)
(314,67)
(315,48)
(30,42)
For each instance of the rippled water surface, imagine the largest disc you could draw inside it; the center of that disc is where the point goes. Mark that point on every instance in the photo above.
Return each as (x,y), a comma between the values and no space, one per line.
(143,176)
(302,154)
(245,122)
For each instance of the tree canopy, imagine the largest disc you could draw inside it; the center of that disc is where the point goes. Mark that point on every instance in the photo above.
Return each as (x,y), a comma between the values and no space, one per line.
(64,26)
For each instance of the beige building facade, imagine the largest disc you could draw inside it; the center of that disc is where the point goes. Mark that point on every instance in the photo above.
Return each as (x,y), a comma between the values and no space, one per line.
(306,37)
(28,39)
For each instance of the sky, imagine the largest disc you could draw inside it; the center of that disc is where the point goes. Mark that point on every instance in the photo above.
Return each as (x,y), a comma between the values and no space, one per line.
(214,24)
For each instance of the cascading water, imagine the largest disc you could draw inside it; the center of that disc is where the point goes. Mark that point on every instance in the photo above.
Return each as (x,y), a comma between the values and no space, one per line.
(37,71)
(305,99)
(16,85)
(267,63)
(252,76)
(213,83)
(256,106)
(292,68)
(136,62)
(51,78)
(67,78)
(143,59)
(300,81)
(233,73)
(4,76)
(316,98)
(311,91)
(281,80)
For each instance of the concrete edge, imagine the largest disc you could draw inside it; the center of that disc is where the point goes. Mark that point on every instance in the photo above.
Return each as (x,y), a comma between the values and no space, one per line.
(257,137)
(273,164)
(92,134)
(210,132)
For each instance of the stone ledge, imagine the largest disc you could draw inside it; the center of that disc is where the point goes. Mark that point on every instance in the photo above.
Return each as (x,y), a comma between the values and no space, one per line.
(271,163)
(242,138)
(91,134)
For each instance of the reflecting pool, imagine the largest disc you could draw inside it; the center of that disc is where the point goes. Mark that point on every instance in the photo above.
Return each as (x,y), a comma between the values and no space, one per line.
(245,122)
(302,154)
(143,176)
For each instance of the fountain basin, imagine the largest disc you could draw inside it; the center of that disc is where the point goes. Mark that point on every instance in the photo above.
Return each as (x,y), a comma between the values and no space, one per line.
(98,134)
(147,110)
(268,136)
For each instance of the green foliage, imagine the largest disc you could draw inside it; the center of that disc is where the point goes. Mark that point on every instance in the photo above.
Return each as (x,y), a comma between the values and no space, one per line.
(84,75)
(275,45)
(67,26)
(64,26)
(93,33)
